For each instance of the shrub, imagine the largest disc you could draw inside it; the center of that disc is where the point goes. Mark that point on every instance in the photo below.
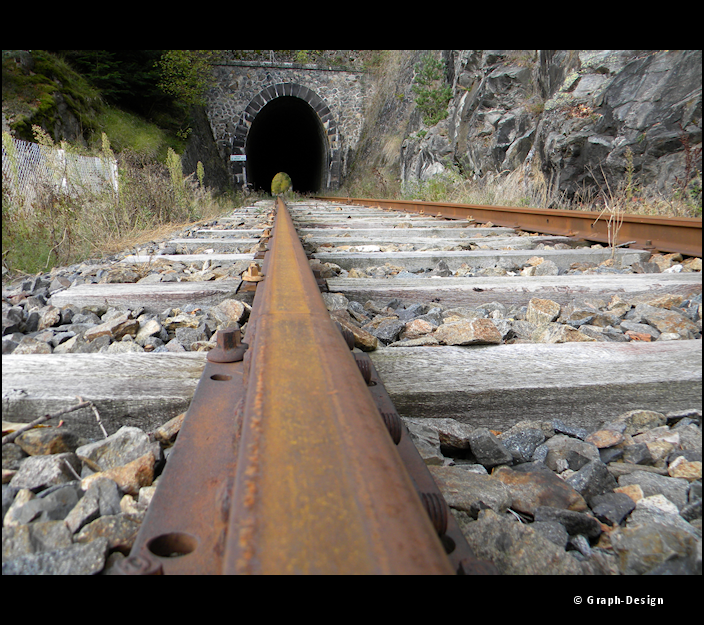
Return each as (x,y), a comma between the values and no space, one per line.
(432,94)
(130,132)
(280,183)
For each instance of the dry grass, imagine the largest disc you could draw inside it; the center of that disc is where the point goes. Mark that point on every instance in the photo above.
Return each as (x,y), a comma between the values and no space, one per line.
(533,190)
(529,188)
(138,238)
(54,228)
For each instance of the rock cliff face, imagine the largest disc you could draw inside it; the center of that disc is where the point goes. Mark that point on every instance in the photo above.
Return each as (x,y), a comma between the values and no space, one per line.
(569,116)
(201,147)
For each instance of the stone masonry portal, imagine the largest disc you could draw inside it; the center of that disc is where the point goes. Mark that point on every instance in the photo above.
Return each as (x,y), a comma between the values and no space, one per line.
(301,119)
(289,128)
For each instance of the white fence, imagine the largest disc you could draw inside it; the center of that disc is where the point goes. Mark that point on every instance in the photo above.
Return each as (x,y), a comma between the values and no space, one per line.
(27,165)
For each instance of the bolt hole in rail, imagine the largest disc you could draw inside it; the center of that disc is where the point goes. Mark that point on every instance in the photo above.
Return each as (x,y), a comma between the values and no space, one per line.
(292,458)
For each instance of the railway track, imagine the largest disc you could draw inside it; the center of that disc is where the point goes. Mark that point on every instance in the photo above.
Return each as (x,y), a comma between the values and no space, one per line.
(646,232)
(292,440)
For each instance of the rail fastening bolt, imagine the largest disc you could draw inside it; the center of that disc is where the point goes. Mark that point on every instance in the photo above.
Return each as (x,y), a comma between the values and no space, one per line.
(229,346)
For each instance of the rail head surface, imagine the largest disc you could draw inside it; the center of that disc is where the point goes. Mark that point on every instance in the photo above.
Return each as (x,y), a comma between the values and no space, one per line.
(649,232)
(320,487)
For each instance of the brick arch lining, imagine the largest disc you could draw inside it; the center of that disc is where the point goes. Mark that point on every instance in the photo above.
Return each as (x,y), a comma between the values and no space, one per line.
(327,119)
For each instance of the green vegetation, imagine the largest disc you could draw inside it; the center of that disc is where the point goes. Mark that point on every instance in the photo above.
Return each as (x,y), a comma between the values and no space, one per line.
(115,104)
(325,58)
(529,189)
(57,227)
(188,74)
(35,85)
(689,187)
(128,131)
(78,94)
(280,183)
(532,189)
(432,93)
(127,79)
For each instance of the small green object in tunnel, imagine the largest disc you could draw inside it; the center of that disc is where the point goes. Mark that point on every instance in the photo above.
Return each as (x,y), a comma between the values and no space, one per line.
(281,183)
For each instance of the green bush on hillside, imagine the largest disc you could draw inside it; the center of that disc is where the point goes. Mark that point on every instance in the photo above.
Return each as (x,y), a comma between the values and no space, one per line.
(432,94)
(280,183)
(129,132)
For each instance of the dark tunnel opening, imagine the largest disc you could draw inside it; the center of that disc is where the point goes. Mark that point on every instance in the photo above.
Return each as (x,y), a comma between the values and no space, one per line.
(286,136)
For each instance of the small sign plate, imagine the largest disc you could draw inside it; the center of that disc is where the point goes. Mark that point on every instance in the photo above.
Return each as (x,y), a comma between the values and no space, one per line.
(238,157)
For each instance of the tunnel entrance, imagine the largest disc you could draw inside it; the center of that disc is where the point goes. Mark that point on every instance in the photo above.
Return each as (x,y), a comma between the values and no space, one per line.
(287,135)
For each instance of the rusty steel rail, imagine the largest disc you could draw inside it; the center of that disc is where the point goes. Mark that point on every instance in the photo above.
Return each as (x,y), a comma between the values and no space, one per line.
(287,462)
(647,232)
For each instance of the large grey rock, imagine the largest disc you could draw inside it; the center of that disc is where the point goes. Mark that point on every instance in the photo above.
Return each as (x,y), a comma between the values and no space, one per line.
(642,548)
(39,472)
(522,442)
(668,321)
(533,485)
(386,330)
(488,449)
(101,499)
(426,441)
(127,444)
(468,332)
(52,504)
(569,114)
(592,479)
(573,522)
(612,508)
(659,509)
(675,489)
(516,548)
(561,448)
(47,441)
(453,435)
(120,530)
(38,537)
(471,492)
(86,559)
(552,530)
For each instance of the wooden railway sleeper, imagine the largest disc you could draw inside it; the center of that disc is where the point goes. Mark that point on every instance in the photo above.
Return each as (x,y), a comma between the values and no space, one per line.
(649,232)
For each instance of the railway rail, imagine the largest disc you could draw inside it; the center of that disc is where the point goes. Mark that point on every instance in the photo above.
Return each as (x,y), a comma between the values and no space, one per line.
(292,457)
(297,405)
(646,232)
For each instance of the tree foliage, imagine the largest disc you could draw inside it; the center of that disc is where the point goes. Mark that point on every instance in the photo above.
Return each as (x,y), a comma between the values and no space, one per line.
(126,78)
(432,94)
(187,74)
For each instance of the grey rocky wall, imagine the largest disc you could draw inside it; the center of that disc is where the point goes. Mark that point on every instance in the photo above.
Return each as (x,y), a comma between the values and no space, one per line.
(569,115)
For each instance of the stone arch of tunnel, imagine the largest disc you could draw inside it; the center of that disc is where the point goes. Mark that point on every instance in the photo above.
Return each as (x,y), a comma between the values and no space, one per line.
(289,128)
